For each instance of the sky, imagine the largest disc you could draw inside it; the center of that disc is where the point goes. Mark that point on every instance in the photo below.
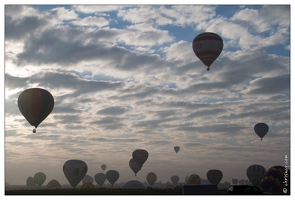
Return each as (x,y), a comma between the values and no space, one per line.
(125,77)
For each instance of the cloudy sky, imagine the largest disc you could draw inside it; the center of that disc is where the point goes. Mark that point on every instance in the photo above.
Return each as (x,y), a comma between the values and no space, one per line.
(125,77)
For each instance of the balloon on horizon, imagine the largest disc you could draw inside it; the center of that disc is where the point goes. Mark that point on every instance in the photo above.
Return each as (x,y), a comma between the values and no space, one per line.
(53,184)
(75,170)
(31,182)
(207,47)
(35,104)
(255,174)
(87,179)
(100,178)
(39,178)
(112,176)
(134,166)
(261,129)
(103,167)
(175,179)
(151,178)
(214,176)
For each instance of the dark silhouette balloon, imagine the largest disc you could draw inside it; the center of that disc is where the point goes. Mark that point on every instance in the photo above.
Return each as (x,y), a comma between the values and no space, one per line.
(35,104)
(175,179)
(103,167)
(39,178)
(75,170)
(214,176)
(30,182)
(255,173)
(134,166)
(176,149)
(100,178)
(140,156)
(151,178)
(112,176)
(207,47)
(53,184)
(261,129)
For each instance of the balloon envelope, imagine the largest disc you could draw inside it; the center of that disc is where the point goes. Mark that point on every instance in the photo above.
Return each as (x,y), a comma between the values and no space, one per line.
(133,184)
(35,104)
(87,185)
(39,178)
(112,176)
(255,173)
(140,156)
(100,178)
(176,149)
(30,182)
(214,176)
(273,180)
(207,47)
(53,184)
(103,166)
(134,166)
(261,129)
(74,171)
(151,178)
(175,179)
(194,179)
(87,179)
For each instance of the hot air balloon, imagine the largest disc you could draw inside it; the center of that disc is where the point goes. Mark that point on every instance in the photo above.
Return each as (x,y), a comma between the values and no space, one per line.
(133,184)
(75,170)
(100,178)
(255,174)
(207,47)
(176,149)
(87,179)
(39,178)
(175,179)
(112,176)
(214,176)
(261,129)
(134,166)
(276,180)
(53,184)
(151,178)
(86,186)
(103,167)
(194,179)
(140,156)
(35,104)
(30,182)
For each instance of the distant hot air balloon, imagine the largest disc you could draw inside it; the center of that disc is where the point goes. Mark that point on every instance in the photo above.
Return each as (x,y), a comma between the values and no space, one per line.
(255,173)
(87,179)
(175,179)
(75,170)
(151,178)
(86,186)
(30,182)
(194,179)
(53,184)
(100,178)
(276,180)
(214,176)
(103,167)
(176,149)
(35,104)
(112,176)
(207,47)
(133,184)
(134,166)
(261,129)
(39,178)
(140,156)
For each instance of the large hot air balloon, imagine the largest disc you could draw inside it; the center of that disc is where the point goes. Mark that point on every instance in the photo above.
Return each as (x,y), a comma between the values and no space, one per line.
(75,170)
(255,174)
(35,104)
(134,166)
(140,156)
(112,176)
(175,179)
(133,184)
(261,129)
(207,47)
(87,179)
(276,180)
(103,167)
(176,149)
(100,178)
(53,184)
(30,182)
(39,178)
(194,179)
(151,178)
(214,176)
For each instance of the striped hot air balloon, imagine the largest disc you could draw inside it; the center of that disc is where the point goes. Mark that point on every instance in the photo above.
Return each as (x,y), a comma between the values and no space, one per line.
(255,174)
(207,47)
